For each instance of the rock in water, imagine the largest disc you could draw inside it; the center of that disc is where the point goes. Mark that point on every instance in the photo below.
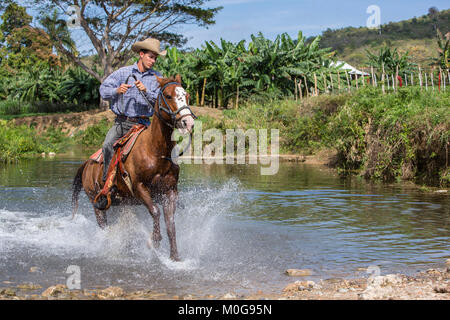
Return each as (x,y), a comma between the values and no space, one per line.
(299,272)
(54,290)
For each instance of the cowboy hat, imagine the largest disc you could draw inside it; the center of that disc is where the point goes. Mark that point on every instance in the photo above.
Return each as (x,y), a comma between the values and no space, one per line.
(148,44)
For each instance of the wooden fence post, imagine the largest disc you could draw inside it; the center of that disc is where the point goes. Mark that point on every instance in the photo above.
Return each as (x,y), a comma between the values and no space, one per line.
(237,97)
(295,88)
(373,78)
(300,89)
(432,79)
(203,92)
(426,81)
(306,86)
(396,78)
(339,82)
(382,80)
(331,81)
(349,88)
(420,78)
(315,85)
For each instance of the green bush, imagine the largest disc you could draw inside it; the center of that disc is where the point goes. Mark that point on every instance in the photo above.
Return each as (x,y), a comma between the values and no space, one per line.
(93,135)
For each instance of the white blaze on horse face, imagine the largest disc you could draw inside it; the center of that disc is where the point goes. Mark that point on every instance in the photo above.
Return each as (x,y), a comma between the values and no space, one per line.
(188,121)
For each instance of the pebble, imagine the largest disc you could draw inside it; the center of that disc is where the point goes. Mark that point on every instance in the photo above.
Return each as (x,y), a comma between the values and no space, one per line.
(112,292)
(299,272)
(301,286)
(229,296)
(8,292)
(35,269)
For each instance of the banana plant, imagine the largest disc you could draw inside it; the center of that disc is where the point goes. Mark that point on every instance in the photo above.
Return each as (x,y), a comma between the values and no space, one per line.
(444,50)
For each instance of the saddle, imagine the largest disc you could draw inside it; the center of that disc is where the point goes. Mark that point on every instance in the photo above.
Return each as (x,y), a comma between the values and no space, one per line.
(122,148)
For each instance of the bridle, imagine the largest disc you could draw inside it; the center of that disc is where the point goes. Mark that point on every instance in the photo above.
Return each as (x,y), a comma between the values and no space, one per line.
(164,106)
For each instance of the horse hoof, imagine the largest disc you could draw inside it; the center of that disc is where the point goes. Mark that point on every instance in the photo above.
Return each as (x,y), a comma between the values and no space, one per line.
(175,258)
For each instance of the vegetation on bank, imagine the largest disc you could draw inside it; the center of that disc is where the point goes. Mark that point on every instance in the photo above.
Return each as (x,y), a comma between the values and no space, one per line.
(400,135)
(18,142)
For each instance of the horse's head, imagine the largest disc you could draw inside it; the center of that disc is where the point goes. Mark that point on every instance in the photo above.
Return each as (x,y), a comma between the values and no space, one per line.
(172,105)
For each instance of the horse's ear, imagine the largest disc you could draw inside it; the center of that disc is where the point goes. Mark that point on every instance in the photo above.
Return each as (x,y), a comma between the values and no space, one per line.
(187,97)
(178,78)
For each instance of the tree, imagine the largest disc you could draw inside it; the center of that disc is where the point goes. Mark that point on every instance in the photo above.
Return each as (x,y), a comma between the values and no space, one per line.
(112,26)
(15,16)
(25,46)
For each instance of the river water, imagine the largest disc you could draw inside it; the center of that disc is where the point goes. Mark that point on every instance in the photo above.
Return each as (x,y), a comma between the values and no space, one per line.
(238,231)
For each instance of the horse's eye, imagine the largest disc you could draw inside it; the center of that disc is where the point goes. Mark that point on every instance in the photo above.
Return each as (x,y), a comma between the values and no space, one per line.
(168,97)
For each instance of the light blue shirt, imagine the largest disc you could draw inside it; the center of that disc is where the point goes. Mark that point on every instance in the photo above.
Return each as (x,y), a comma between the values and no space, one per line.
(131,103)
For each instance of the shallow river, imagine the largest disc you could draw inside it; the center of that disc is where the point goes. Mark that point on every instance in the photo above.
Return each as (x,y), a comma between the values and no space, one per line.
(238,232)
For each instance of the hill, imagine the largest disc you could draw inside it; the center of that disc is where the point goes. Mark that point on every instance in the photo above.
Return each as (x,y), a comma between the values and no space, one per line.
(417,35)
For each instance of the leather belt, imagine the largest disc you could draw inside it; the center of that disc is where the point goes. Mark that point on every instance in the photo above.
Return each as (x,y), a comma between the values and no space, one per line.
(134,119)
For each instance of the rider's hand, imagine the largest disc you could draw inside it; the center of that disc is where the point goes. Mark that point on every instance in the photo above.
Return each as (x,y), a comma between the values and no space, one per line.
(140,86)
(123,88)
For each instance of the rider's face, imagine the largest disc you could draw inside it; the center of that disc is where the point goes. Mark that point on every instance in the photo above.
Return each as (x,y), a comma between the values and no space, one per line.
(148,59)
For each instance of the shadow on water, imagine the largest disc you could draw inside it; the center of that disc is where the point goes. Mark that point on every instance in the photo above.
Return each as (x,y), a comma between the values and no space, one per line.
(238,230)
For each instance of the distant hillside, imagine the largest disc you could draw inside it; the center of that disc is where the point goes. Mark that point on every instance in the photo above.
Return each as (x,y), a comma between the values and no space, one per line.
(418,35)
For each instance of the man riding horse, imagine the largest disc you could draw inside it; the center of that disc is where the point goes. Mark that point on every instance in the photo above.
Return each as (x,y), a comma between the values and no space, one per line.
(127,102)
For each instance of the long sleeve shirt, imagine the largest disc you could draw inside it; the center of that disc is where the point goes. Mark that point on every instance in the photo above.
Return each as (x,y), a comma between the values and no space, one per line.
(131,103)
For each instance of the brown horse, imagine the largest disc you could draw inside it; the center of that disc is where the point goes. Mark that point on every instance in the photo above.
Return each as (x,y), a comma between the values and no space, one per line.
(153,174)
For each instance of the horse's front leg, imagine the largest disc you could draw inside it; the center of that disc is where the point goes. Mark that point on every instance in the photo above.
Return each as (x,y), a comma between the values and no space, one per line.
(169,205)
(143,193)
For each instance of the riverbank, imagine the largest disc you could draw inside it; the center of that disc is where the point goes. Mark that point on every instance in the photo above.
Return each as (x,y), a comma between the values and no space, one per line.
(432,284)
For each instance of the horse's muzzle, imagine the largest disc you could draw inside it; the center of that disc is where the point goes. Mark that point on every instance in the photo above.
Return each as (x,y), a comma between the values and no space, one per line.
(186,125)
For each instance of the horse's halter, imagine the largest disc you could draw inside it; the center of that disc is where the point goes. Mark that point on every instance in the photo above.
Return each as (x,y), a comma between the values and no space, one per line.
(166,108)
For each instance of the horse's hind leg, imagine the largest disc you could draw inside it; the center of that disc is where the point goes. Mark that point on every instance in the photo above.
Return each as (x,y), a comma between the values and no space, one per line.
(101,218)
(144,194)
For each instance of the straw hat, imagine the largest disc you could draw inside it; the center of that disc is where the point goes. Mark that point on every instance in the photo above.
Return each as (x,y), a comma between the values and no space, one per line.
(149,44)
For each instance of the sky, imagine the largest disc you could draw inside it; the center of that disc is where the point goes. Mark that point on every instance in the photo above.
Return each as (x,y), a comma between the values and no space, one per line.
(240,18)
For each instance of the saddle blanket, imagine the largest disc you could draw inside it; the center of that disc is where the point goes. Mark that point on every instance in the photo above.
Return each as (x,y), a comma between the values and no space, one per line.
(126,142)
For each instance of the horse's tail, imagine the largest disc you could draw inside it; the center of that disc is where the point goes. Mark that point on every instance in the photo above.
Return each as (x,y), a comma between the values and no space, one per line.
(77,185)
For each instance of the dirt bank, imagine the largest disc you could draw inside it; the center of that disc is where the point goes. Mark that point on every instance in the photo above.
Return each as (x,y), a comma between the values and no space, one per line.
(433,284)
(73,122)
